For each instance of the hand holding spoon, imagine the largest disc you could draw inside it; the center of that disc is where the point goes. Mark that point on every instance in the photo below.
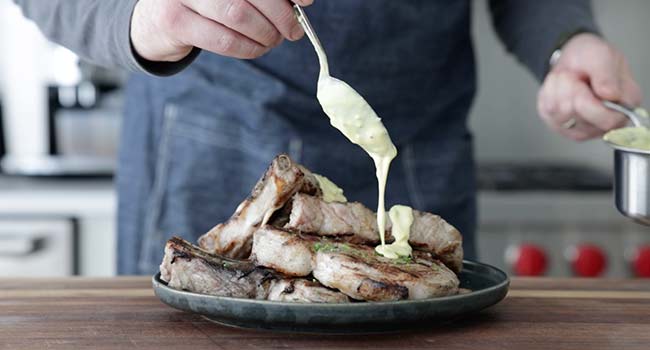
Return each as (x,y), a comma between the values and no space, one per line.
(637,118)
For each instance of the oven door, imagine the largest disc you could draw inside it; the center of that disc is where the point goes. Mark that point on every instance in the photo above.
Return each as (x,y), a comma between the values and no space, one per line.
(37,247)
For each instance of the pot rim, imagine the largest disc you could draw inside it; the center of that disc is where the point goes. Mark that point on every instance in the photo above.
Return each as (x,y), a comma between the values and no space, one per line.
(627,149)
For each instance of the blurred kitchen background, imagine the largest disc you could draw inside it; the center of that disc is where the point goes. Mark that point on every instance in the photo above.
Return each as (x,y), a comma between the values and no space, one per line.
(546,204)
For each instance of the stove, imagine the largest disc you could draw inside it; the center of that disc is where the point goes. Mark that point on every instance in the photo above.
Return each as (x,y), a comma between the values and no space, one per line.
(556,220)
(542,177)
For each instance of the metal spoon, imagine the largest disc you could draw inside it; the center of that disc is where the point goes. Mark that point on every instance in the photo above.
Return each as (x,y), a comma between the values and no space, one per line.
(637,119)
(311,34)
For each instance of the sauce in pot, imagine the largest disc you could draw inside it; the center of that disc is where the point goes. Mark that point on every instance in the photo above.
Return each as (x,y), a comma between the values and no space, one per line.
(633,137)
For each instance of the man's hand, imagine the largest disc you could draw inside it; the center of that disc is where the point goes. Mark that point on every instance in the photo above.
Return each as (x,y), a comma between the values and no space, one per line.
(588,71)
(167,30)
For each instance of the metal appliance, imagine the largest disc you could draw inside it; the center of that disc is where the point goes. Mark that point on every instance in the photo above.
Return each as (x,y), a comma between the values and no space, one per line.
(61,115)
(2,134)
(632,184)
(631,169)
(557,220)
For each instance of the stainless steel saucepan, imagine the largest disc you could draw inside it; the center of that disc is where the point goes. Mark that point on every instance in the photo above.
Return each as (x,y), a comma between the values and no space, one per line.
(631,170)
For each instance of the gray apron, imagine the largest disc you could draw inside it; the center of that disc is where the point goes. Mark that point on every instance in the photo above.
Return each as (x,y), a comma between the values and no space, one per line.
(194,144)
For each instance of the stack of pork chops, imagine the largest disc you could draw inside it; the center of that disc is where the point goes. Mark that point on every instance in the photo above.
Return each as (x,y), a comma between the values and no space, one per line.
(285,243)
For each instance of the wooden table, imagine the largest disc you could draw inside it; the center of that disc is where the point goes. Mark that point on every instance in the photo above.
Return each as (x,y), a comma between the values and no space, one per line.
(124,313)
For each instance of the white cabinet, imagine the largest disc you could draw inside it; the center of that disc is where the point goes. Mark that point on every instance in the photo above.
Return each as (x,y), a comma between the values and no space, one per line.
(52,227)
(33,247)
(97,246)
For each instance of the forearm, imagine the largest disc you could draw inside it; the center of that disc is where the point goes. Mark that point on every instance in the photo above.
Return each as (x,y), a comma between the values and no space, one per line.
(532,29)
(96,30)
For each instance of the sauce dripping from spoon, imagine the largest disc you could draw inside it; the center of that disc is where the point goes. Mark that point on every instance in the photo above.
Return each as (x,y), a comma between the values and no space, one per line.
(354,117)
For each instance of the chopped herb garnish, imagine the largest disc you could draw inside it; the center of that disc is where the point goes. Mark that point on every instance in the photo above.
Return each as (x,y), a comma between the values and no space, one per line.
(403,260)
(324,247)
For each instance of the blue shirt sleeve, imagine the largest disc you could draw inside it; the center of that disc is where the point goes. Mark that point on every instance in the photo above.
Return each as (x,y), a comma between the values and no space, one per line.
(533,29)
(98,31)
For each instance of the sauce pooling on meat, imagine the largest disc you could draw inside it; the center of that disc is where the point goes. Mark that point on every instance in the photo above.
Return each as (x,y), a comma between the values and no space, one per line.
(401,217)
(331,192)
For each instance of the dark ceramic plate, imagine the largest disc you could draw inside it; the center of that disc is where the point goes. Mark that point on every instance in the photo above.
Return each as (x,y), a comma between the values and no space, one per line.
(488,286)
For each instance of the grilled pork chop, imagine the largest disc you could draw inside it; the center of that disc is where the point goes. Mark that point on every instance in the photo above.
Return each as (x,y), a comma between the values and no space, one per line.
(362,275)
(304,291)
(433,234)
(186,267)
(288,253)
(233,238)
(313,215)
(353,269)
(355,223)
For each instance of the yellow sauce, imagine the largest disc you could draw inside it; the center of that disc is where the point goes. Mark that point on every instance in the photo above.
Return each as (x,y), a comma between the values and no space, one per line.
(352,115)
(401,218)
(633,137)
(331,192)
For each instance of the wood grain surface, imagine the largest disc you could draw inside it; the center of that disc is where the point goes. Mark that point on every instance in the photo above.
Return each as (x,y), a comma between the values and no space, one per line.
(123,313)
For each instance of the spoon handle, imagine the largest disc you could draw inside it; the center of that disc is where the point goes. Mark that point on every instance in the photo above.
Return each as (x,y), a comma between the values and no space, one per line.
(311,34)
(637,120)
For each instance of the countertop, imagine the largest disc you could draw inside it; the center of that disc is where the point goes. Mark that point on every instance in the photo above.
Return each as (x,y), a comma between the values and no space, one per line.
(123,313)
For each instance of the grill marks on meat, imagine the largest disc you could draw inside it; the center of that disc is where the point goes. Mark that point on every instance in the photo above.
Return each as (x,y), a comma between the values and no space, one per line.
(432,233)
(355,270)
(282,251)
(313,215)
(355,223)
(307,212)
(186,267)
(327,241)
(310,184)
(369,277)
(233,238)
(304,291)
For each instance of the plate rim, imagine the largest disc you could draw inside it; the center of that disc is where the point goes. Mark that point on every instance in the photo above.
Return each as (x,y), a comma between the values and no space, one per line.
(156,281)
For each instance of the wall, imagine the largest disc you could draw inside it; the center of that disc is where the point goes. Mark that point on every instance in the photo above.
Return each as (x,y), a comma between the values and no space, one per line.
(504,113)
